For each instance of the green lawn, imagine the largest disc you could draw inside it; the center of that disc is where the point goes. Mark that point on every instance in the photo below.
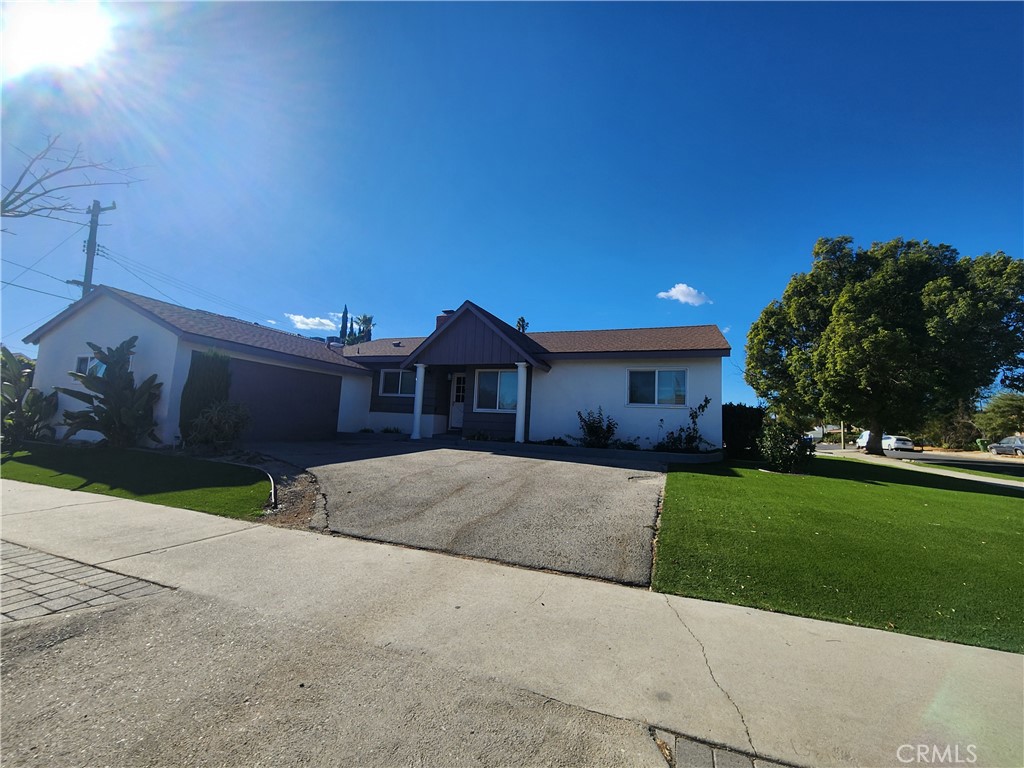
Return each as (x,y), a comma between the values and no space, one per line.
(174,481)
(851,542)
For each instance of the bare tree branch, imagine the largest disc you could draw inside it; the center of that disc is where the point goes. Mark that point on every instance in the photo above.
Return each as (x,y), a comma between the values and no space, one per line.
(49,174)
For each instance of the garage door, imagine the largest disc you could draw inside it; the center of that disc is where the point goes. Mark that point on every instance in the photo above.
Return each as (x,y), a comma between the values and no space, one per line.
(286,404)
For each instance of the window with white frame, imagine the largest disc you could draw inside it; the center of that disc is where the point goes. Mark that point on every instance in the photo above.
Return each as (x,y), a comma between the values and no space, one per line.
(496,391)
(85,364)
(661,386)
(398,383)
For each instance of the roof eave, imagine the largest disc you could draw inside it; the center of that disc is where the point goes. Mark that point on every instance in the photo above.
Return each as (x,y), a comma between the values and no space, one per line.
(637,354)
(344,364)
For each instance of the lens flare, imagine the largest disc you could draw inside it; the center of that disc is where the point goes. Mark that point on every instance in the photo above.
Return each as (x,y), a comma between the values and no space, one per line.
(39,35)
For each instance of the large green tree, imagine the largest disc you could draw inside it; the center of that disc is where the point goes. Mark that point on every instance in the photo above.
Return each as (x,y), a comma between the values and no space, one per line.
(1002,416)
(886,335)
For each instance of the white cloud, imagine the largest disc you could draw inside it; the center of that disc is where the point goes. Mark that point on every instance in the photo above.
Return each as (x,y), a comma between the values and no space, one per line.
(727,329)
(304,323)
(270,322)
(685,294)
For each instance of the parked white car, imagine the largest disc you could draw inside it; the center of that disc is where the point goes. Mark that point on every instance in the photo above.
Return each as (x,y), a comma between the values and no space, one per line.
(889,442)
(897,443)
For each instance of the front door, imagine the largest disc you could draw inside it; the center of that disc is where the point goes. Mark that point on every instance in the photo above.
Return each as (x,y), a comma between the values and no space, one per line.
(458,401)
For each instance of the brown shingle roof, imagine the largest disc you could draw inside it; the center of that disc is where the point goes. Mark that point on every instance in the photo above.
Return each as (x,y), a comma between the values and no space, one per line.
(676,338)
(383,347)
(199,323)
(686,338)
(208,325)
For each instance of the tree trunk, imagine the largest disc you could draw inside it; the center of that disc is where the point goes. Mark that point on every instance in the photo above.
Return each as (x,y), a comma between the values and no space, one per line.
(874,446)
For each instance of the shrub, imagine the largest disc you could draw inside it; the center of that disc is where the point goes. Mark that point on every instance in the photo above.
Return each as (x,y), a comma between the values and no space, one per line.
(952,429)
(551,441)
(118,409)
(784,447)
(220,425)
(686,439)
(26,410)
(741,426)
(208,382)
(598,429)
(625,444)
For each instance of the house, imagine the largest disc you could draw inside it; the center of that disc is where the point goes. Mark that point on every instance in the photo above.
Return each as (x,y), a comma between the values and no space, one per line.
(294,387)
(474,374)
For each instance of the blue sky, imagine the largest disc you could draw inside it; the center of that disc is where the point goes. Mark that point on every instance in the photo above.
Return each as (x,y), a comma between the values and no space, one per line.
(564,162)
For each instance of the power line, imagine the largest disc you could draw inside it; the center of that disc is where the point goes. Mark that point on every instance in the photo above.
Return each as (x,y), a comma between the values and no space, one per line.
(30,269)
(35,290)
(155,274)
(58,245)
(122,266)
(34,323)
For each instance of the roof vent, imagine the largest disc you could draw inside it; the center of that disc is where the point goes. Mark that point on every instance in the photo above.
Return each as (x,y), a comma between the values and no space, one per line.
(396,343)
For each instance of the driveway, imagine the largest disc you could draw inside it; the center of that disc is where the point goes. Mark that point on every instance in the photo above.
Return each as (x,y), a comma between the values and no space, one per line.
(558,512)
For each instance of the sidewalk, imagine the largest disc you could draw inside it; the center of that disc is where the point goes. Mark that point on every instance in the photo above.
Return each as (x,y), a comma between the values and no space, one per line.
(793,690)
(906,462)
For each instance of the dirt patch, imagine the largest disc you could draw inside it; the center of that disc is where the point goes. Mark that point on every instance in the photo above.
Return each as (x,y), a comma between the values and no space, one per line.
(297,491)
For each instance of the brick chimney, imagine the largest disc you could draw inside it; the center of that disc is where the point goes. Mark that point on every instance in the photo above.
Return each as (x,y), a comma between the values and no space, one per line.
(443,317)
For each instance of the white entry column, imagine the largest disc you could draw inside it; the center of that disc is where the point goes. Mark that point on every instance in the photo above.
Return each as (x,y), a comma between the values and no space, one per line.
(521,403)
(417,405)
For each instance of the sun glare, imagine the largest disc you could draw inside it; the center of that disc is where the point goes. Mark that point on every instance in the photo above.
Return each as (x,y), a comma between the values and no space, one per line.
(38,34)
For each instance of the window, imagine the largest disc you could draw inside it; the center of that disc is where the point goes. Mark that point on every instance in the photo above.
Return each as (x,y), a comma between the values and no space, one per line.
(497,391)
(86,365)
(398,383)
(657,387)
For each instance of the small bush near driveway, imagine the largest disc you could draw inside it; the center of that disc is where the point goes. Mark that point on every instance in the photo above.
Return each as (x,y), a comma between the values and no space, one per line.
(850,542)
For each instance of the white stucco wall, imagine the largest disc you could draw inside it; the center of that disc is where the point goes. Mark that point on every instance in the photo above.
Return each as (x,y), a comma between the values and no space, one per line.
(354,408)
(106,322)
(581,385)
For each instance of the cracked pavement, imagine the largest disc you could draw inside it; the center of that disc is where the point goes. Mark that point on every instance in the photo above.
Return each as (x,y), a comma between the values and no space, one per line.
(510,504)
(281,647)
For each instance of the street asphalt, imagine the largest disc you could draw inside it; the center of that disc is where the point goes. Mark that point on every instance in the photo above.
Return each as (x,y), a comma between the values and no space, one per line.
(280,647)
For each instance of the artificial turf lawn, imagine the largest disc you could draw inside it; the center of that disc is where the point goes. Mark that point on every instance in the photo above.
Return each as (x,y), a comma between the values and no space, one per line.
(852,542)
(174,481)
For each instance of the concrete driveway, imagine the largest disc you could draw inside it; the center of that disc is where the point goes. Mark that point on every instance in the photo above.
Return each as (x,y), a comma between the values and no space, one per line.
(555,511)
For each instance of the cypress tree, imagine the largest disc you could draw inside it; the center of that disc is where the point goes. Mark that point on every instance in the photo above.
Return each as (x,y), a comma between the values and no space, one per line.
(208,382)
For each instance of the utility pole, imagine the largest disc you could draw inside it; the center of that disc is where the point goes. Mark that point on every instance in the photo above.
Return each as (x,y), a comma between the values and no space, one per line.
(90,247)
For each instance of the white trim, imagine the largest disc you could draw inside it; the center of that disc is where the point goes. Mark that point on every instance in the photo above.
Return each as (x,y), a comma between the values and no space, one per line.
(520,403)
(417,407)
(452,402)
(656,404)
(401,372)
(476,391)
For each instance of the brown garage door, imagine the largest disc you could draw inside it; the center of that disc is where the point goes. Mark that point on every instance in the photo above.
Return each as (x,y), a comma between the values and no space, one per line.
(286,404)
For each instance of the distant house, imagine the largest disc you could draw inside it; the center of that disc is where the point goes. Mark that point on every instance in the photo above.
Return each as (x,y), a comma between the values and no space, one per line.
(474,374)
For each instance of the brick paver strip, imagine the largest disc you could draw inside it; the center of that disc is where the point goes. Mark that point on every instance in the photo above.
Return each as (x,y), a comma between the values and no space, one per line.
(34,583)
